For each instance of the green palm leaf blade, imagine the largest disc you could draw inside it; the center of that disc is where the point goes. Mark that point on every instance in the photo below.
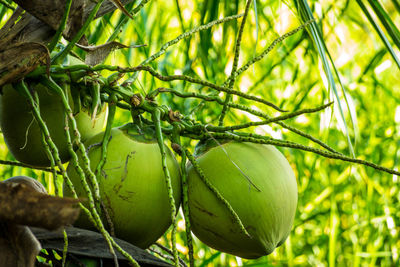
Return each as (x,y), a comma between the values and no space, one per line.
(305,14)
(379,31)
(386,22)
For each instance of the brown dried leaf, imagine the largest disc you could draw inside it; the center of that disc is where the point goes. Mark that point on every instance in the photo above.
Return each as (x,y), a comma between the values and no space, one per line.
(97,54)
(18,246)
(21,204)
(18,60)
(51,13)
(121,7)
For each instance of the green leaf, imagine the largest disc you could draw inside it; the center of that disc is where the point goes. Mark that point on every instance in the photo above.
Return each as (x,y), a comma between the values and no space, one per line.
(305,14)
(380,32)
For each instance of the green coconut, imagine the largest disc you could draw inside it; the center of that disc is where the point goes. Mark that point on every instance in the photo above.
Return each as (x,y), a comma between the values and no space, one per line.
(261,187)
(132,184)
(22,133)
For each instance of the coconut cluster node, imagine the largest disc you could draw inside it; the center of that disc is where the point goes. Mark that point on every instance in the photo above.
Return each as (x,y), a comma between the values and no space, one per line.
(256,180)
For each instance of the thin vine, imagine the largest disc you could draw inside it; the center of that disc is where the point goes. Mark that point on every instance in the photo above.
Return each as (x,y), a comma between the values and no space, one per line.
(156,116)
(233,75)
(177,147)
(210,186)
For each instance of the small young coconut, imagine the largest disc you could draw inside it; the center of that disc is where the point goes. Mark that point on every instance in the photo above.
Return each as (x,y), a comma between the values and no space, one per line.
(258,183)
(22,133)
(132,184)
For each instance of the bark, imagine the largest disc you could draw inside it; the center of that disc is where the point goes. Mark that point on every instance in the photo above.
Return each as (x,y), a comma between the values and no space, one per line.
(50,13)
(20,204)
(36,27)
(18,246)
(24,201)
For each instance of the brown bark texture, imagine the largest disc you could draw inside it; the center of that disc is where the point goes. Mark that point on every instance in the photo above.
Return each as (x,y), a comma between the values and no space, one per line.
(33,29)
(23,205)
(24,201)
(18,246)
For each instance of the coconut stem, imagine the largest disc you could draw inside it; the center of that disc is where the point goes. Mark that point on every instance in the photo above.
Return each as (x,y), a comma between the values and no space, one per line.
(199,127)
(200,172)
(63,69)
(48,152)
(267,121)
(49,83)
(269,49)
(259,139)
(306,135)
(209,98)
(95,218)
(19,164)
(103,156)
(232,77)
(185,207)
(86,163)
(52,167)
(107,134)
(185,189)
(156,116)
(50,146)
(47,149)
(276,120)
(65,249)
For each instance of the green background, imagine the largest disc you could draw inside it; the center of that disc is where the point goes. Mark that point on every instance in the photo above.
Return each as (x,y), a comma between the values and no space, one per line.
(348,215)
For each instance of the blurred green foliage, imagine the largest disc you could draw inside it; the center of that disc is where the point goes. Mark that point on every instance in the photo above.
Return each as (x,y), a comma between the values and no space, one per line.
(347,215)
